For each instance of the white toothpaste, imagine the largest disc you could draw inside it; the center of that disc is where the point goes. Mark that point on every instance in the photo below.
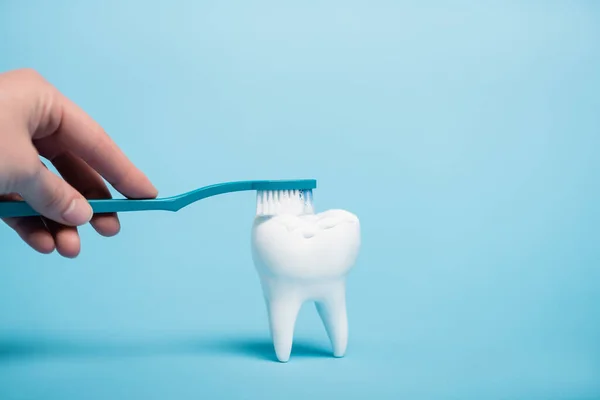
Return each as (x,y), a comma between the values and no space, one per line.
(302,258)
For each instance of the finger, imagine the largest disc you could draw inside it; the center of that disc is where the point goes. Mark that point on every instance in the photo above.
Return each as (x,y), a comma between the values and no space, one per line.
(79,133)
(66,238)
(87,181)
(52,197)
(51,114)
(32,230)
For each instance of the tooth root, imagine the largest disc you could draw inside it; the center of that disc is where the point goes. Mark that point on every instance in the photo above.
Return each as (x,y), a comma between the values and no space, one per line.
(333,313)
(283,311)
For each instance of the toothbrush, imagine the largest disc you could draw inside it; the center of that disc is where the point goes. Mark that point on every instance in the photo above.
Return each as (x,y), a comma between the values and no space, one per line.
(273,197)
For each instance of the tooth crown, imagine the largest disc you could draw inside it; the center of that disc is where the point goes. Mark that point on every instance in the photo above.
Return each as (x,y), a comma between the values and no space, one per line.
(307,247)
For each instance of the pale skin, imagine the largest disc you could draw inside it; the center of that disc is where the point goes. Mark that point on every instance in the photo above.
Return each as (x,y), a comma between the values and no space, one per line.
(37,120)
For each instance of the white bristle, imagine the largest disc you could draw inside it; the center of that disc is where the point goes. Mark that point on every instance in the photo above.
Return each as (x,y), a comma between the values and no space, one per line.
(270,202)
(258,202)
(276,202)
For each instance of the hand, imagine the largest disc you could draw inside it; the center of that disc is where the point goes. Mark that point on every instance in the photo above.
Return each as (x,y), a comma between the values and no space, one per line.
(36,119)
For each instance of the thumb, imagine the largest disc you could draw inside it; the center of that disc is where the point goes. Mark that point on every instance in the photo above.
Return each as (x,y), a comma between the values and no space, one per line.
(53,197)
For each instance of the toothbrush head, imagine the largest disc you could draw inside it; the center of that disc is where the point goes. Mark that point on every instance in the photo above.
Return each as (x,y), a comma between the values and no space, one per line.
(284,197)
(277,202)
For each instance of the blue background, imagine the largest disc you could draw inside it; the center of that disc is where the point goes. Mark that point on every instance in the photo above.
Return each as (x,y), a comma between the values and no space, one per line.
(464,135)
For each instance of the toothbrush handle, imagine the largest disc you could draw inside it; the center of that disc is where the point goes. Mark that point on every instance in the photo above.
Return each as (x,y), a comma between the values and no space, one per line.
(22,209)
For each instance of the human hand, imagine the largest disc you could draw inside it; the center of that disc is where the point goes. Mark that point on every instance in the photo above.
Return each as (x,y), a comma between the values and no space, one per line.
(37,120)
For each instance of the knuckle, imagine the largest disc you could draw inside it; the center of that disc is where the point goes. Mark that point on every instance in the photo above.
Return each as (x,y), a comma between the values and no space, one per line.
(26,173)
(28,95)
(15,175)
(20,168)
(29,74)
(36,84)
(23,74)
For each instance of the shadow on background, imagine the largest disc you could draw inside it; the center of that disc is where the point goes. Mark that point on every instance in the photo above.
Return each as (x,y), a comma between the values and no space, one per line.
(16,348)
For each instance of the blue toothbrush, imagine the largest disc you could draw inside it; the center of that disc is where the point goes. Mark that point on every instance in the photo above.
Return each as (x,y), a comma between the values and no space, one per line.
(273,197)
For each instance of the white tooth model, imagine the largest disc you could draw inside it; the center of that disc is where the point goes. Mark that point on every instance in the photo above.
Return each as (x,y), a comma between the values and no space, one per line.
(302,258)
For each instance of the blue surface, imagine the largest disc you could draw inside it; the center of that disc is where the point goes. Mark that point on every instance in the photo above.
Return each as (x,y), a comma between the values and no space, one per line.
(474,133)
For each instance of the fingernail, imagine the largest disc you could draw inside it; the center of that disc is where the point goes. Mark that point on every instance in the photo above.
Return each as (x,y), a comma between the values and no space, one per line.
(78,213)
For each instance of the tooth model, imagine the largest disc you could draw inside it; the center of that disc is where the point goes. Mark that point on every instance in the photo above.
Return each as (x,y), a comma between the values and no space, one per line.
(302,258)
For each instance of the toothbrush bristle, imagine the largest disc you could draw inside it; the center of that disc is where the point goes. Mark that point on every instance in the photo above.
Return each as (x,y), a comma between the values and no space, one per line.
(276,202)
